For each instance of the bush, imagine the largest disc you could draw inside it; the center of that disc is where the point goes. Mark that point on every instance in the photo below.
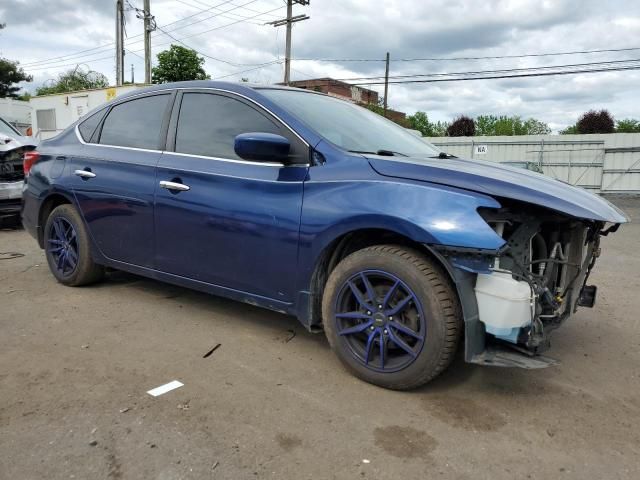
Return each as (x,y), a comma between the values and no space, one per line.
(462,127)
(596,122)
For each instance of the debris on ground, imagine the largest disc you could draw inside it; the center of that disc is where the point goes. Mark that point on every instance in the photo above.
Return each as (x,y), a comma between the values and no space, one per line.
(293,335)
(10,255)
(167,387)
(208,354)
(124,410)
(93,443)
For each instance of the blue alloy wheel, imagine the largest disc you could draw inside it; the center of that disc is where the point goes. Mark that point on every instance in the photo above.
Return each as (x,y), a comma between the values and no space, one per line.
(381,320)
(62,245)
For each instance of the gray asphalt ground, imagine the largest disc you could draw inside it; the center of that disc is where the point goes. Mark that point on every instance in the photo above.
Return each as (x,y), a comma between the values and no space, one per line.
(273,402)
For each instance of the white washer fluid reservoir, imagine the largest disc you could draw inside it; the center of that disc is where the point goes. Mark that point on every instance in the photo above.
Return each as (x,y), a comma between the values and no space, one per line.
(504,304)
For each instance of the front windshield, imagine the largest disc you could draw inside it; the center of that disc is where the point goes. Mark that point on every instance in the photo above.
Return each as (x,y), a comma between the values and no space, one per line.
(7,130)
(348,125)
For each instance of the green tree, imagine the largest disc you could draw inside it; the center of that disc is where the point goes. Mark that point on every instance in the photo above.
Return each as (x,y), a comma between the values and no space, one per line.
(374,107)
(570,130)
(440,129)
(628,125)
(536,127)
(178,64)
(74,80)
(10,75)
(420,121)
(486,125)
(492,125)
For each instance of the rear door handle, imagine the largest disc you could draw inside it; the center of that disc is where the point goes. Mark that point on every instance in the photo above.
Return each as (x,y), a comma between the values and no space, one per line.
(179,187)
(84,174)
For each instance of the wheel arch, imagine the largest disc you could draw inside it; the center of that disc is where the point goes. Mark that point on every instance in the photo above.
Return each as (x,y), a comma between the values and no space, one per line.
(351,241)
(47,205)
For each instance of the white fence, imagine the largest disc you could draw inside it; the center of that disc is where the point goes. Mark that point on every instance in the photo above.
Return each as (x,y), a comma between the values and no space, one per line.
(608,163)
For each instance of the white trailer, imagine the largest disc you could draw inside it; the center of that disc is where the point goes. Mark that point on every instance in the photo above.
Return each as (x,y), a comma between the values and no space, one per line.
(54,113)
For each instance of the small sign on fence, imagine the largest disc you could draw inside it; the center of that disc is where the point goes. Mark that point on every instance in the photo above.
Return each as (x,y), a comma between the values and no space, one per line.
(481,150)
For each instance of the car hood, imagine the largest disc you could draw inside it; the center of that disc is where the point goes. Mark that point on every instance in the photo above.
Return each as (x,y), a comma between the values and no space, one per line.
(498,180)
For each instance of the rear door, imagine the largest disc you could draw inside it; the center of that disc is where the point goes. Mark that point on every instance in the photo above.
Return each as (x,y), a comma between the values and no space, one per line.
(237,225)
(114,181)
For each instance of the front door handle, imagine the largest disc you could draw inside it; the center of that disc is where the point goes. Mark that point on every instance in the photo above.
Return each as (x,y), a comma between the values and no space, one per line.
(84,174)
(179,187)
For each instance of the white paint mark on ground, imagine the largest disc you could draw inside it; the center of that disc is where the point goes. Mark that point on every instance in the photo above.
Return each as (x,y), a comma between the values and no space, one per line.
(167,387)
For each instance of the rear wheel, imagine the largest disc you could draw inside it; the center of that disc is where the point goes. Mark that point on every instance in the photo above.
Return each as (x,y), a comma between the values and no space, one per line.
(391,316)
(68,250)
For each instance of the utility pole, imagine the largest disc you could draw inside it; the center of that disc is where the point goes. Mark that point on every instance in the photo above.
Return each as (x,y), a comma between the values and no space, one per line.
(289,21)
(147,41)
(119,43)
(386,85)
(287,49)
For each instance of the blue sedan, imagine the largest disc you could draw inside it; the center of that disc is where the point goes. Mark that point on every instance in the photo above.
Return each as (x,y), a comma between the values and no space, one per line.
(315,207)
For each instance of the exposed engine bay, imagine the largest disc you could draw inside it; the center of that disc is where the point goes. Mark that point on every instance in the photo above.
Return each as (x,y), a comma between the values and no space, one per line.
(539,278)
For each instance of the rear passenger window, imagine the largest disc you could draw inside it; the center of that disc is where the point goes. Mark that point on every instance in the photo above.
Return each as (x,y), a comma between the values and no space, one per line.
(88,126)
(136,123)
(208,124)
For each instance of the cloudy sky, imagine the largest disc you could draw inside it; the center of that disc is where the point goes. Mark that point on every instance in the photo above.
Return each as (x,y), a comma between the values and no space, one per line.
(58,34)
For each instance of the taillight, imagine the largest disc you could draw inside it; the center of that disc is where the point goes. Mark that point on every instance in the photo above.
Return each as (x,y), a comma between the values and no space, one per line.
(29,159)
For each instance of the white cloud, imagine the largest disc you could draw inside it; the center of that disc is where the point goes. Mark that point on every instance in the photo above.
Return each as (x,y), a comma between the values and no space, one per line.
(363,29)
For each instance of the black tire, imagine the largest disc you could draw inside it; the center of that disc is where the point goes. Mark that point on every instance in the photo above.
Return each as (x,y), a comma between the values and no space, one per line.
(434,291)
(86,271)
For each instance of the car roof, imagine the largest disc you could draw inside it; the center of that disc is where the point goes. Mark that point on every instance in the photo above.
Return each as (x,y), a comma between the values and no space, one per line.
(236,87)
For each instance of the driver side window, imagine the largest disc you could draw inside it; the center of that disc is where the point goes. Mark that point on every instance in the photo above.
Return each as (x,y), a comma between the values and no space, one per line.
(208,124)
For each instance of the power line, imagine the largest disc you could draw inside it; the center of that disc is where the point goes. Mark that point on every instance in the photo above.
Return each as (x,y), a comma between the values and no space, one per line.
(217,28)
(275,62)
(217,15)
(507,70)
(217,59)
(495,77)
(70,64)
(443,59)
(56,65)
(529,55)
(83,53)
(231,16)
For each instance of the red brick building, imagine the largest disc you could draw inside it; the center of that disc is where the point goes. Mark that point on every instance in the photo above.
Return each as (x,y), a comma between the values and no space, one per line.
(339,89)
(346,91)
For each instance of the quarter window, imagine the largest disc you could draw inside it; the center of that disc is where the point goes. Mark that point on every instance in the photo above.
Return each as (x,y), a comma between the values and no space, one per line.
(88,126)
(208,124)
(136,123)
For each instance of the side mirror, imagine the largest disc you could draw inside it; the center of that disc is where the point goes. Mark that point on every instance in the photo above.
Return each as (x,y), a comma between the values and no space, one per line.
(264,147)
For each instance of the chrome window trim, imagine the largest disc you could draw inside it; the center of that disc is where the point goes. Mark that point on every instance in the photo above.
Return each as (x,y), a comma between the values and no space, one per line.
(112,146)
(231,160)
(246,162)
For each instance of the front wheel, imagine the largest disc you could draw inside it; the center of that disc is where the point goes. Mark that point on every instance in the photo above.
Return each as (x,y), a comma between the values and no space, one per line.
(391,316)
(67,248)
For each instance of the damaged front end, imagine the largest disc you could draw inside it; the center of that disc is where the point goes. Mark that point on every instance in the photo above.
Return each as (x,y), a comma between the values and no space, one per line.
(514,298)
(12,149)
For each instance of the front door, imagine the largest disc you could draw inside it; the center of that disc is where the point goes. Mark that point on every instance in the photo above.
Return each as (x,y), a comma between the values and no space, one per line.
(237,225)
(115,176)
